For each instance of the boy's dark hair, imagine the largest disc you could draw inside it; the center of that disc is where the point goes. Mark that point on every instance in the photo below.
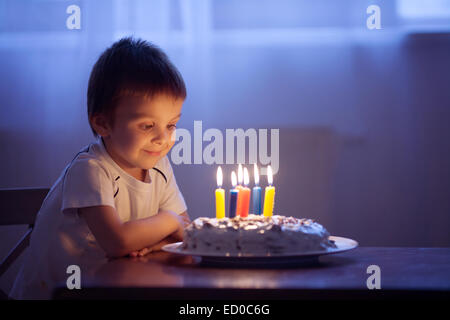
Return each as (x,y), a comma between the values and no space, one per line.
(131,67)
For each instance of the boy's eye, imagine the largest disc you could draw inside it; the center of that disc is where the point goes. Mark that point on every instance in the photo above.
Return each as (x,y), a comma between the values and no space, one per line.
(146,126)
(172,126)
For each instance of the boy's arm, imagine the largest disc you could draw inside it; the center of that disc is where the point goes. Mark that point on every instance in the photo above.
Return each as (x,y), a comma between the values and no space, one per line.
(119,238)
(162,243)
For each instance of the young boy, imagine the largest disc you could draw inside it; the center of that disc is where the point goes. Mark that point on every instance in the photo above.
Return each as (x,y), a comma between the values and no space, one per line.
(118,196)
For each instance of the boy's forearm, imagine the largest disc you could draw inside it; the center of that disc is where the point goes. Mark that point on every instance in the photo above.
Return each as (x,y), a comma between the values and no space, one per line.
(168,240)
(119,238)
(136,235)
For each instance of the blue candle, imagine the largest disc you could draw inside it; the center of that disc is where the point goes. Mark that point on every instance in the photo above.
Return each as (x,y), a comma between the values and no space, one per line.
(256,193)
(256,198)
(233,196)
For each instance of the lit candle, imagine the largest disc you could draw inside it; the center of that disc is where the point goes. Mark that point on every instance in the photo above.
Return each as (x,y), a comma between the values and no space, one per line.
(233,196)
(269,195)
(244,194)
(220,196)
(239,188)
(256,192)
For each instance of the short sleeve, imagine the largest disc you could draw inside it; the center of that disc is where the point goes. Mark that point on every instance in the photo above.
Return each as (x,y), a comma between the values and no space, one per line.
(172,199)
(87,183)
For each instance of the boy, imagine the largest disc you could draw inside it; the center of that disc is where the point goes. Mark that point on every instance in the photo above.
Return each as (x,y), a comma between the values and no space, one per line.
(118,196)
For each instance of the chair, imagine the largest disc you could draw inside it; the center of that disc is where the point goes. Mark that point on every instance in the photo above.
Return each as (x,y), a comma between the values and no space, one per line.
(18,207)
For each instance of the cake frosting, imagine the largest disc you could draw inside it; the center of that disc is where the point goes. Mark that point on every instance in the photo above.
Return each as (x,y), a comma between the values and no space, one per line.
(256,234)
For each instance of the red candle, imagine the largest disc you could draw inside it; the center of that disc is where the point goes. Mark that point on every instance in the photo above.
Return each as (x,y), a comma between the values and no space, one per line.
(244,194)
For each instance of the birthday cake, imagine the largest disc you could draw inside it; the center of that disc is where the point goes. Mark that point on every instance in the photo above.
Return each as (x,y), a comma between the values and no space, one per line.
(256,234)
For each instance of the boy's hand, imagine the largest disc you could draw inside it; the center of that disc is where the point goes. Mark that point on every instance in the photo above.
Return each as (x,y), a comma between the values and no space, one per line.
(182,220)
(156,247)
(186,219)
(140,253)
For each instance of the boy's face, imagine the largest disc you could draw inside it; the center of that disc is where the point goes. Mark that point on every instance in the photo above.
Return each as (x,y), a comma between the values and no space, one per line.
(143,131)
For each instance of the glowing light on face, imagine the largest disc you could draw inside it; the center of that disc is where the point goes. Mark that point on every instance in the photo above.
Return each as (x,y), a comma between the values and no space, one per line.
(173,136)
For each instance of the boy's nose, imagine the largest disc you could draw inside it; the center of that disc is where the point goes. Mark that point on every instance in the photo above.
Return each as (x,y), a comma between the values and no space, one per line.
(161,137)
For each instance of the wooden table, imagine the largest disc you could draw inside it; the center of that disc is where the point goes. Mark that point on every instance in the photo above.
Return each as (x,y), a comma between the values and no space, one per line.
(405,272)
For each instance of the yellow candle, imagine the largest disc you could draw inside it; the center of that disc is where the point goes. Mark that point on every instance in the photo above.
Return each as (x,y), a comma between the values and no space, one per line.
(269,196)
(220,196)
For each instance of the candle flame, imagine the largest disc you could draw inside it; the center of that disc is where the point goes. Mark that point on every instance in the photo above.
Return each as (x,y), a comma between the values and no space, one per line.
(233,179)
(240,174)
(219,177)
(256,172)
(269,175)
(246,177)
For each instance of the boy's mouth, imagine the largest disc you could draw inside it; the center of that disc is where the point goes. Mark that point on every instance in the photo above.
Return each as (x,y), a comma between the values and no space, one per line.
(153,153)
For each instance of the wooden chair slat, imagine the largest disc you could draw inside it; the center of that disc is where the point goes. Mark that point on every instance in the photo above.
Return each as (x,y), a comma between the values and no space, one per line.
(15,252)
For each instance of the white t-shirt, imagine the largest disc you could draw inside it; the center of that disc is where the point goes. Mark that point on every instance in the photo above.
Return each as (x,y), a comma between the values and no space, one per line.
(62,238)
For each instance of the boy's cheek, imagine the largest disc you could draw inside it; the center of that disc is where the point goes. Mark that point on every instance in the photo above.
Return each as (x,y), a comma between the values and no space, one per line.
(173,137)
(170,144)
(167,150)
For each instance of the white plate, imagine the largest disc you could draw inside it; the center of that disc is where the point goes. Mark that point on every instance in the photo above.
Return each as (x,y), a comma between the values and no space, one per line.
(342,244)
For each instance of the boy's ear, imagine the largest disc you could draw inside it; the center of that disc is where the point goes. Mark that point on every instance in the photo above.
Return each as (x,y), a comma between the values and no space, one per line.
(100,124)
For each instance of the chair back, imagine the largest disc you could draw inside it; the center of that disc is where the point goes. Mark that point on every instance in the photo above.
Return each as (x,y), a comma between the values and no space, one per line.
(20,206)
